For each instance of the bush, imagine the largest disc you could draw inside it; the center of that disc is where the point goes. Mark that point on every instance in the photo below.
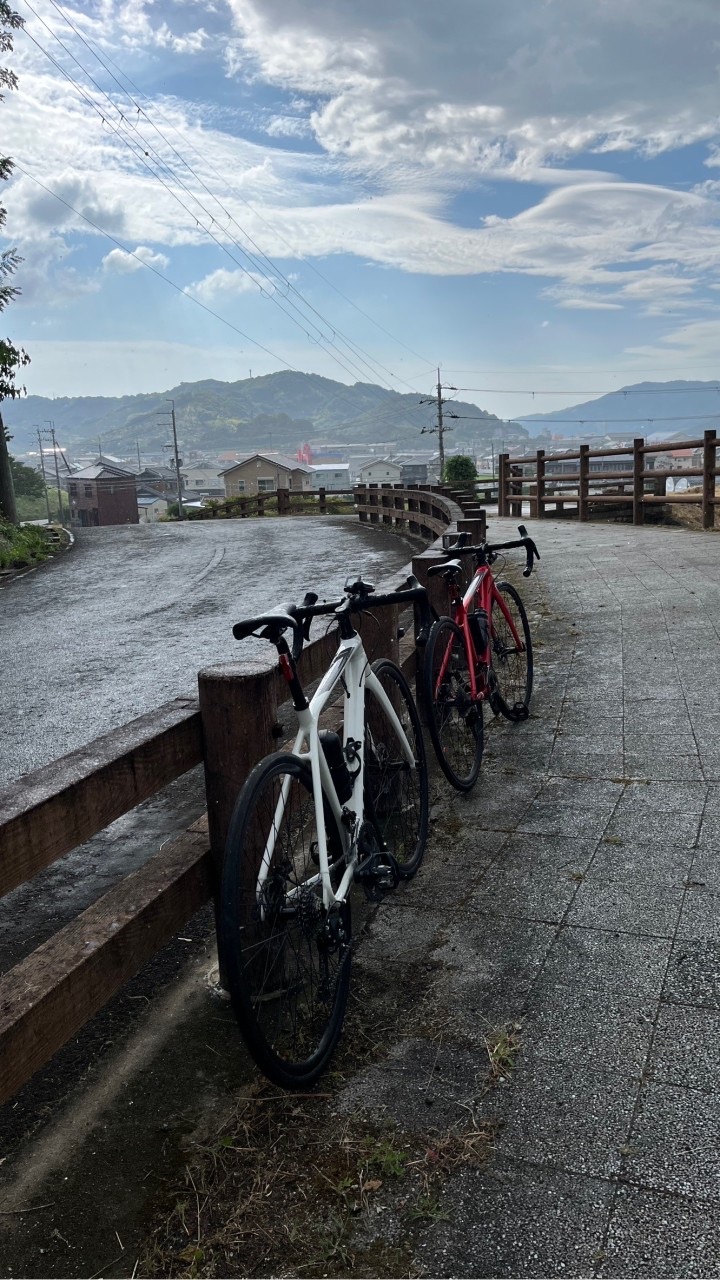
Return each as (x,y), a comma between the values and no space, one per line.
(21,545)
(460,470)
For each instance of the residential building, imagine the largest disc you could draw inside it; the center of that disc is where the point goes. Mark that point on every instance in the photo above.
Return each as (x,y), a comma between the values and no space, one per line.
(677,459)
(151,506)
(265,473)
(102,495)
(202,481)
(161,479)
(331,475)
(379,471)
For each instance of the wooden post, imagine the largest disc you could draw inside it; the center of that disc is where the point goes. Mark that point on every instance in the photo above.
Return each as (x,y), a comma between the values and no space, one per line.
(373,500)
(322,500)
(709,465)
(503,468)
(238,709)
(583,481)
(638,482)
(516,487)
(386,501)
(283,497)
(361,502)
(540,475)
(399,499)
(261,504)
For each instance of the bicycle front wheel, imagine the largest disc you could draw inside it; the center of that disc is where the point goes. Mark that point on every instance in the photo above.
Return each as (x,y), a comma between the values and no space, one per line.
(395,792)
(454,720)
(286,959)
(512,663)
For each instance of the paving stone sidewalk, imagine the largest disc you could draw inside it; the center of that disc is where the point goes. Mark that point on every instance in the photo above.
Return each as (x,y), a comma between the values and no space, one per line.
(580,897)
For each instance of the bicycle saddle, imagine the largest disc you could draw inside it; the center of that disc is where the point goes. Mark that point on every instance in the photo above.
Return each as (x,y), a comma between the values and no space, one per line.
(454,566)
(273,624)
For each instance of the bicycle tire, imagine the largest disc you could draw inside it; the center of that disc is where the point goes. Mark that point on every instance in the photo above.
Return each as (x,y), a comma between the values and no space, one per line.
(512,668)
(455,722)
(288,985)
(396,795)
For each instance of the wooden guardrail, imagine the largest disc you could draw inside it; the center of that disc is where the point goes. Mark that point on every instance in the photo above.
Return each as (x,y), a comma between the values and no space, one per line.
(543,480)
(281,502)
(47,997)
(421,509)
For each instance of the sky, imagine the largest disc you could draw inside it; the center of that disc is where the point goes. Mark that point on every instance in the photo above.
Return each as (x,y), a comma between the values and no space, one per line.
(526,195)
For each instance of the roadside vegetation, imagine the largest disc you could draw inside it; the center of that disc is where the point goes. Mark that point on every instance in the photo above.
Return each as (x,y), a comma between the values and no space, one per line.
(22,546)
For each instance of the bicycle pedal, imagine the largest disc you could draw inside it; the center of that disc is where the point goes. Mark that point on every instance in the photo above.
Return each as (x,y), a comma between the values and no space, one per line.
(521,711)
(378,874)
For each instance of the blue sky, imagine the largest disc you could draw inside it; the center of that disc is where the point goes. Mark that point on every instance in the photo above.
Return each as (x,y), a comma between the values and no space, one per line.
(528,196)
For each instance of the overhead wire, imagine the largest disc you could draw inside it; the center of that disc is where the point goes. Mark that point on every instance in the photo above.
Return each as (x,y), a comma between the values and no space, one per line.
(344,359)
(256,212)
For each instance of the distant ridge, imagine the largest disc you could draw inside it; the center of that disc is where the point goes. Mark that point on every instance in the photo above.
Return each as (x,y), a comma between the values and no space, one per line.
(693,406)
(278,410)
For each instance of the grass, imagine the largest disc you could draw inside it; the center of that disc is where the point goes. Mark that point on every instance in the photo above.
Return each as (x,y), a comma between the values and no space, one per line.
(22,546)
(290,1185)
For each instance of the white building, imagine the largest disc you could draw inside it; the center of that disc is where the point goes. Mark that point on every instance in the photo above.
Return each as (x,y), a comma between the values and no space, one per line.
(151,506)
(202,481)
(331,475)
(379,471)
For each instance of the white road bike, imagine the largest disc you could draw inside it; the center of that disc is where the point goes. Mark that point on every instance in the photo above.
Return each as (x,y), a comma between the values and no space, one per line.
(309,825)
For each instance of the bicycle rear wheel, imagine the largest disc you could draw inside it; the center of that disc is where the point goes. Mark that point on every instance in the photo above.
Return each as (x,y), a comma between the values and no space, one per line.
(512,664)
(287,961)
(454,720)
(395,792)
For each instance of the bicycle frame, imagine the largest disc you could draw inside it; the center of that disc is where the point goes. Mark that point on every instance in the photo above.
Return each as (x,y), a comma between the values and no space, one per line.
(349,667)
(481,593)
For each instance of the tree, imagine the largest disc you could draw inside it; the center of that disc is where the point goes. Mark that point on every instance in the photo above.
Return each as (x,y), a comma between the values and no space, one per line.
(460,470)
(26,482)
(12,358)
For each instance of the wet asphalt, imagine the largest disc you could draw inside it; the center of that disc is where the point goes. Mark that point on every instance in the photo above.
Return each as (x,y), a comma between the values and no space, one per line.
(120,624)
(123,621)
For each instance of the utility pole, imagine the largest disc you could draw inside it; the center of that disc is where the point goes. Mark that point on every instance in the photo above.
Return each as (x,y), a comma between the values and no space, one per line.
(42,468)
(440,428)
(171,414)
(57,470)
(137,442)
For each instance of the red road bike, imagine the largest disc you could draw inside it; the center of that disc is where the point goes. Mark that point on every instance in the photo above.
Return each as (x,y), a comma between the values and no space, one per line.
(482,653)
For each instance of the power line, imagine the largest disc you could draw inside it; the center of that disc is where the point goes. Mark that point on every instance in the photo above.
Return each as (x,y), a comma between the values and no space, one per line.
(602,422)
(246,202)
(347,362)
(631,391)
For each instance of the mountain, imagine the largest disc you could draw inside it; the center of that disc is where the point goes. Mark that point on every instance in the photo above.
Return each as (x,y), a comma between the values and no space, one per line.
(676,410)
(279,410)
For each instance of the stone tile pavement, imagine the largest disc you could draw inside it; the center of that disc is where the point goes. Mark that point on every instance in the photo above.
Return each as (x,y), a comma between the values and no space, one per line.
(576,891)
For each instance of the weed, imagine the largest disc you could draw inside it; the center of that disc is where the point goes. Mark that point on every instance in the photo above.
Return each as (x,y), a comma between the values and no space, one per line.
(428,1209)
(503,1046)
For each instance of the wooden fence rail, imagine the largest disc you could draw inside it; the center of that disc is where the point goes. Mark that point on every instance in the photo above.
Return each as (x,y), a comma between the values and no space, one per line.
(545,482)
(48,996)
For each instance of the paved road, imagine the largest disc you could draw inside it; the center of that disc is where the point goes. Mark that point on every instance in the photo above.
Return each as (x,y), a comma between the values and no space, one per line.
(124,621)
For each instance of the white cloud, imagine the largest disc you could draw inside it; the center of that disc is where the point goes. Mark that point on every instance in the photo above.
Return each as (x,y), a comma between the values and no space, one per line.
(224,284)
(508,89)
(118,260)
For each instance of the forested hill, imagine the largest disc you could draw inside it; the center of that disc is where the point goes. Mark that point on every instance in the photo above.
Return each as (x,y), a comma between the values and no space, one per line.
(278,410)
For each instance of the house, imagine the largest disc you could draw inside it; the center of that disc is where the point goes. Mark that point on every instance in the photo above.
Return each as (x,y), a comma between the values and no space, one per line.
(102,494)
(678,460)
(151,506)
(412,471)
(202,481)
(379,471)
(161,479)
(331,475)
(265,473)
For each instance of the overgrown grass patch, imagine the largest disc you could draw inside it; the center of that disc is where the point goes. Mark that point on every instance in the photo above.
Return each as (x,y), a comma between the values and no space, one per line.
(22,546)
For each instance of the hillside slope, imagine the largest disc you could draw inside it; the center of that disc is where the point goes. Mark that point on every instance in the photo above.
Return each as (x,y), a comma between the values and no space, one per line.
(679,409)
(280,409)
